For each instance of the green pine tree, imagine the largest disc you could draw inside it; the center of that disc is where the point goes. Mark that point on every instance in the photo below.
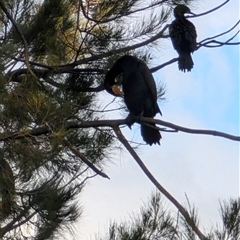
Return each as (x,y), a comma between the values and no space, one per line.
(155,221)
(54,54)
(53,58)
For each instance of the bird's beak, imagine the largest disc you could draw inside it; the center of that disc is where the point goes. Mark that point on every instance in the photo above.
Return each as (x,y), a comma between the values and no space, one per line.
(117,91)
(191,13)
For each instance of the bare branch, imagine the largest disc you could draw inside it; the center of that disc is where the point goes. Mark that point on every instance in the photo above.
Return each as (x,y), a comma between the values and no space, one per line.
(86,161)
(112,124)
(181,209)
(210,11)
(220,44)
(211,40)
(192,131)
(221,34)
(154,69)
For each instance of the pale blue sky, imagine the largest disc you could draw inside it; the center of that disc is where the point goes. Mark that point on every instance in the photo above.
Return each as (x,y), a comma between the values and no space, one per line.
(206,168)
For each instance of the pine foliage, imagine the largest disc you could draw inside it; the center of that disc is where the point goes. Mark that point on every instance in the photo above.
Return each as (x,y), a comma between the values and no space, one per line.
(53,58)
(54,54)
(156,222)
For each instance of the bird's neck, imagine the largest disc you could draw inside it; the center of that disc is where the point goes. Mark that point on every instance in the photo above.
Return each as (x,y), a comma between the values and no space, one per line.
(180,17)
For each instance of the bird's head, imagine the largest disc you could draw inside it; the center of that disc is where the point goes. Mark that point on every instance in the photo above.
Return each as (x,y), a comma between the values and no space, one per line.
(114,90)
(111,86)
(181,9)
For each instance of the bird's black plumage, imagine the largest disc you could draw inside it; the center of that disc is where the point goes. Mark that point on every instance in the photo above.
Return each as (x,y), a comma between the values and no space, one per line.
(140,94)
(183,35)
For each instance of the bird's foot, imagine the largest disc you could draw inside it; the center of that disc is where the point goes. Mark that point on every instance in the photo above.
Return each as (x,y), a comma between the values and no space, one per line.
(131,119)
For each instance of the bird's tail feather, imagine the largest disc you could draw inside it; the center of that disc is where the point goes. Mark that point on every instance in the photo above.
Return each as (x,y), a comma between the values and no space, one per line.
(185,62)
(150,135)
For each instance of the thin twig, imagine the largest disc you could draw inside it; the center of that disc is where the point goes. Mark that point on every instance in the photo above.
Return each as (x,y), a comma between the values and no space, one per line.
(181,209)
(154,69)
(221,34)
(210,11)
(220,44)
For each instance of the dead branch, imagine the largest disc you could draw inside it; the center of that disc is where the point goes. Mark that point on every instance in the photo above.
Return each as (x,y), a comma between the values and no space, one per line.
(212,40)
(210,11)
(218,43)
(149,175)
(154,69)
(221,34)
(190,130)
(87,162)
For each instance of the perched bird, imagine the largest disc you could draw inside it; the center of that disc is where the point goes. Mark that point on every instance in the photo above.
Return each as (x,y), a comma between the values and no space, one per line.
(183,35)
(139,92)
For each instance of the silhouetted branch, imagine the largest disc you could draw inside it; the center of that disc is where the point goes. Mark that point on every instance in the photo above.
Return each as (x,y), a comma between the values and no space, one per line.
(42,73)
(154,69)
(221,34)
(10,225)
(204,43)
(192,131)
(111,124)
(81,184)
(181,209)
(210,11)
(33,63)
(218,43)
(119,50)
(86,161)
(211,40)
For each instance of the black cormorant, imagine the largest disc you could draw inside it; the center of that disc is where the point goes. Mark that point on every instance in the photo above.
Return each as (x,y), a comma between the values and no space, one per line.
(139,92)
(183,35)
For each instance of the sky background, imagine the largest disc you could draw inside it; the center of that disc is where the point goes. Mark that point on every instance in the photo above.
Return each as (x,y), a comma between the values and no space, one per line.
(205,168)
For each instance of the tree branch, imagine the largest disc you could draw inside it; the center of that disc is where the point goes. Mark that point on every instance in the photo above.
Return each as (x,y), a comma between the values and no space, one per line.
(42,73)
(116,51)
(218,43)
(149,175)
(221,34)
(112,124)
(210,11)
(210,40)
(87,162)
(154,69)
(5,10)
(192,131)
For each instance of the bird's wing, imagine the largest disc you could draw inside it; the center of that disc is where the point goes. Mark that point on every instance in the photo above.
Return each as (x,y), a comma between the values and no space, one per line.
(174,30)
(148,78)
(191,34)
